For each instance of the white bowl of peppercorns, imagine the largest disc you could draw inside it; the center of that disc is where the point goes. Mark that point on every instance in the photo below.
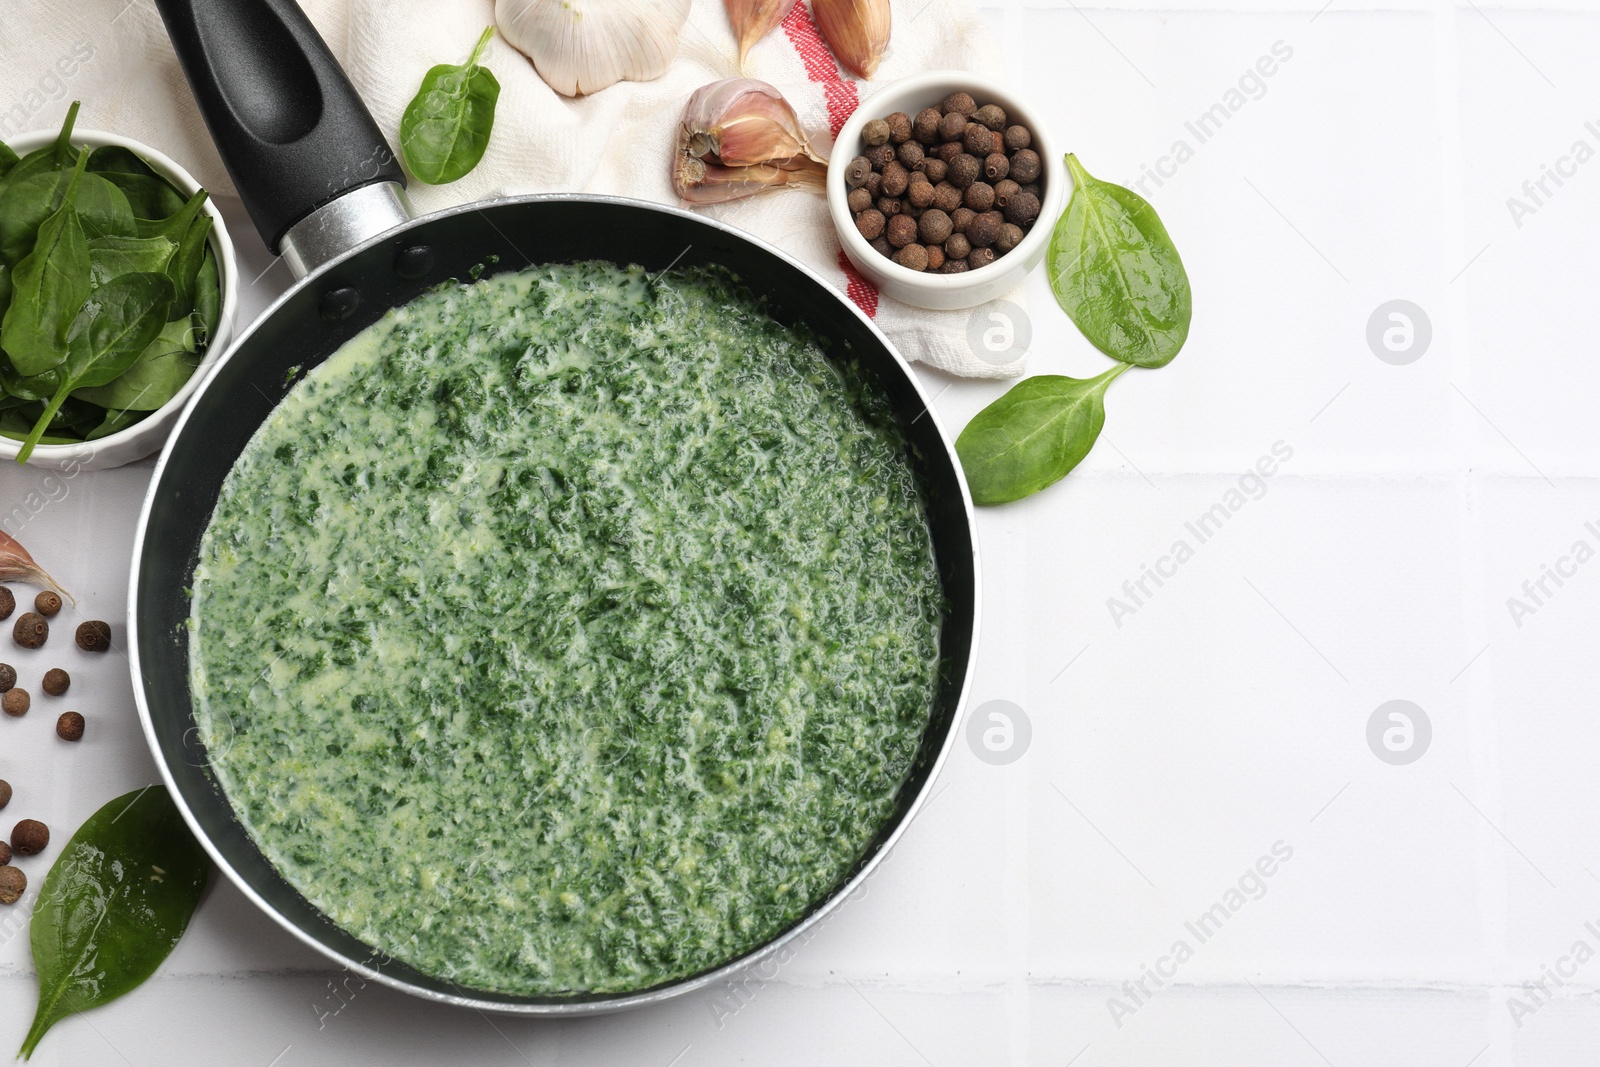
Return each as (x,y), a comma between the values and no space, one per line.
(944,190)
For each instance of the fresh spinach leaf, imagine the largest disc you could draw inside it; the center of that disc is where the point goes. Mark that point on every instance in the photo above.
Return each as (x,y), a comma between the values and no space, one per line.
(118,322)
(51,285)
(150,196)
(184,270)
(8,159)
(112,157)
(207,299)
(57,155)
(5,290)
(1033,436)
(445,129)
(1117,274)
(114,905)
(102,210)
(156,376)
(114,422)
(110,257)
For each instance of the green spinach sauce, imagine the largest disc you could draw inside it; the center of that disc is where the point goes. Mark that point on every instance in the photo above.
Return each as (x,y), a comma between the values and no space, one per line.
(570,630)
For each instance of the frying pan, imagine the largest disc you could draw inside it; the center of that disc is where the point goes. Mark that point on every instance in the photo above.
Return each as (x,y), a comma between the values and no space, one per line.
(325,190)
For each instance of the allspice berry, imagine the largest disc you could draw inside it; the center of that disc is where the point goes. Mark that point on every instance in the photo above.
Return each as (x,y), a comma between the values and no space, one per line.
(881,246)
(8,677)
(47,603)
(895,179)
(952,126)
(953,266)
(875,132)
(856,171)
(984,230)
(980,257)
(12,884)
(5,853)
(874,184)
(1025,166)
(29,837)
(913,256)
(69,727)
(1017,138)
(899,127)
(920,192)
(1022,209)
(947,153)
(889,206)
(94,636)
(935,257)
(16,703)
(961,104)
(996,166)
(869,223)
(963,171)
(925,127)
(56,681)
(975,139)
(957,246)
(31,630)
(946,197)
(991,115)
(934,168)
(5,792)
(934,227)
(879,156)
(902,231)
(8,602)
(1010,237)
(1004,190)
(961,218)
(979,196)
(909,155)
(859,200)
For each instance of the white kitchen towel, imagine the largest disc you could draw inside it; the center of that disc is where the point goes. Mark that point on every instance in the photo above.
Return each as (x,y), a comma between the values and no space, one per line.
(114,56)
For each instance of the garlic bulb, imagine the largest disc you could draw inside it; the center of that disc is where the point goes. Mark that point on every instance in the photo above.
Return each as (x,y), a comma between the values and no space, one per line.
(738,137)
(856,30)
(582,46)
(754,19)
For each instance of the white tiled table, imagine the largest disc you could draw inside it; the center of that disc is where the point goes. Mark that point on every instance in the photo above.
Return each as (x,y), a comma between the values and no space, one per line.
(1228,713)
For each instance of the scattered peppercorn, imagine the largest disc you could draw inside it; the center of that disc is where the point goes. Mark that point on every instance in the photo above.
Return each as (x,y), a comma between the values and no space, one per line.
(16,703)
(69,727)
(1025,166)
(94,636)
(12,884)
(56,681)
(8,602)
(8,677)
(31,630)
(47,603)
(5,853)
(29,837)
(5,792)
(913,256)
(958,176)
(991,115)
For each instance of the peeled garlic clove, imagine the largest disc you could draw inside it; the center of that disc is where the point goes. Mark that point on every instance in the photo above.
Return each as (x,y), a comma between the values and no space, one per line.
(582,46)
(856,30)
(744,122)
(754,19)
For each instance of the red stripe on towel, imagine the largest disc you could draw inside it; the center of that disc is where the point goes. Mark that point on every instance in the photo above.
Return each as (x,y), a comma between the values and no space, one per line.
(842,100)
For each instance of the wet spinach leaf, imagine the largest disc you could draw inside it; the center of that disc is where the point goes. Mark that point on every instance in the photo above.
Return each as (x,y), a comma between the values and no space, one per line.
(1033,436)
(445,129)
(1117,274)
(114,905)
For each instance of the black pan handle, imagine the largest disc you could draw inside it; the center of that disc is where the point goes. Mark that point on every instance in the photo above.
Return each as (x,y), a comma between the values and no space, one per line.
(292,131)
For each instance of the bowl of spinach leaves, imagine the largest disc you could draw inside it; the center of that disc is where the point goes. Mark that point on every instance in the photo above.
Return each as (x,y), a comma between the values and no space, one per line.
(117,285)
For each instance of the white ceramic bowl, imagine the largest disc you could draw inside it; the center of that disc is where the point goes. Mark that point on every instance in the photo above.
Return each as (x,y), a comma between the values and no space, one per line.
(148,434)
(928,289)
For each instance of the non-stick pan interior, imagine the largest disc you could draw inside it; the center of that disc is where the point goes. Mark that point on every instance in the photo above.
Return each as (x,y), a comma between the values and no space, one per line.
(320,315)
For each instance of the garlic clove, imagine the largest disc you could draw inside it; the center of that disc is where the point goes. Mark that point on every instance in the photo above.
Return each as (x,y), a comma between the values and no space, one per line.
(754,19)
(740,136)
(699,182)
(582,46)
(856,30)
